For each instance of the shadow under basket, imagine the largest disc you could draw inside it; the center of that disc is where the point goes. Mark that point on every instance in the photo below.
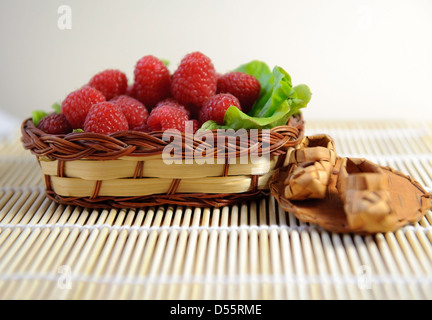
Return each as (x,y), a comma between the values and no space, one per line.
(131,169)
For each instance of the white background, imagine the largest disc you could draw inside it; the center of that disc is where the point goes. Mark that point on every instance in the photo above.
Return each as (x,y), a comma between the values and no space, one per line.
(366,59)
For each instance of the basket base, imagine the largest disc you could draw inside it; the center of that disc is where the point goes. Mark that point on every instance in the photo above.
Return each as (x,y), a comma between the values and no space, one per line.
(192,200)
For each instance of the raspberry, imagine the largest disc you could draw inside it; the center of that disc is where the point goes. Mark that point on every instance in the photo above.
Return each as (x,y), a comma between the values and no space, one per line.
(174,103)
(195,125)
(106,118)
(135,112)
(215,107)
(130,91)
(78,103)
(167,116)
(195,80)
(152,81)
(242,85)
(143,128)
(55,123)
(111,83)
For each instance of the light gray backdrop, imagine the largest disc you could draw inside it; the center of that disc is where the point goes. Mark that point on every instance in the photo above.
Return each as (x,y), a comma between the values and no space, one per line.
(360,58)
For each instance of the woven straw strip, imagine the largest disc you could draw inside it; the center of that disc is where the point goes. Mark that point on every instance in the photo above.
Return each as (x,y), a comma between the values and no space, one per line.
(60,168)
(48,182)
(130,168)
(73,187)
(225,169)
(139,170)
(254,183)
(173,187)
(96,190)
(281,160)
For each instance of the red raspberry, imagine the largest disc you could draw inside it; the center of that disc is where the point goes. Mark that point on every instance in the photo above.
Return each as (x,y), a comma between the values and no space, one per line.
(106,118)
(195,80)
(142,128)
(135,112)
(242,85)
(215,107)
(174,103)
(78,103)
(152,81)
(111,83)
(166,117)
(191,126)
(195,125)
(55,123)
(130,91)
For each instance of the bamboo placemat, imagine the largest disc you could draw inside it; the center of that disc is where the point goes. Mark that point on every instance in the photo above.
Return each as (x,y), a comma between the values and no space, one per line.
(252,250)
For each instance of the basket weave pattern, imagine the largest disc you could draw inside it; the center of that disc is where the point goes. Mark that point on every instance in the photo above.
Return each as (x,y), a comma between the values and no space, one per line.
(126,169)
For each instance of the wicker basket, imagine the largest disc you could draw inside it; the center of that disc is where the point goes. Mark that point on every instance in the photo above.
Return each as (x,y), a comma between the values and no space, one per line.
(126,169)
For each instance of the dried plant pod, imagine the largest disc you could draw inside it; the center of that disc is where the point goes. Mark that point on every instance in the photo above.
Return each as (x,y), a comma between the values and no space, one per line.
(408,201)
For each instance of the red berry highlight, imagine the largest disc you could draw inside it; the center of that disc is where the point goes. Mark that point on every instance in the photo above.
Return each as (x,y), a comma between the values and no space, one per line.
(111,83)
(174,103)
(105,118)
(242,85)
(78,103)
(135,112)
(215,107)
(195,80)
(167,116)
(55,123)
(152,81)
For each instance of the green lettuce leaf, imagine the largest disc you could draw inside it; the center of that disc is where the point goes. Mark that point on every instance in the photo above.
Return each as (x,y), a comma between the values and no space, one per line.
(57,107)
(210,125)
(277,102)
(278,91)
(236,119)
(303,95)
(37,116)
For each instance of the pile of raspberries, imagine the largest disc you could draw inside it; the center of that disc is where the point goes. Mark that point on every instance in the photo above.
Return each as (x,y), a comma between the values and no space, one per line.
(156,101)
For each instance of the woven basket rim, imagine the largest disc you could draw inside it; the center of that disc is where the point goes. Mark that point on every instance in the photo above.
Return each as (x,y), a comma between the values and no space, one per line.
(95,146)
